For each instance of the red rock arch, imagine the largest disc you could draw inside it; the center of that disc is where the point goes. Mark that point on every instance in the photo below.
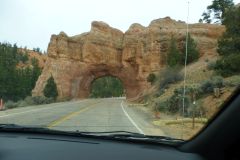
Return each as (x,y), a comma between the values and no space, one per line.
(76,61)
(128,79)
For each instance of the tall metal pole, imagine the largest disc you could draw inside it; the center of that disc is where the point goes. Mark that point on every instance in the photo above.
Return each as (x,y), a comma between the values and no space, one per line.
(185,64)
(185,72)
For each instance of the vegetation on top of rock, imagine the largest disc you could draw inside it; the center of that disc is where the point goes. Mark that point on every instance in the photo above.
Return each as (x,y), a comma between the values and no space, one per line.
(38,50)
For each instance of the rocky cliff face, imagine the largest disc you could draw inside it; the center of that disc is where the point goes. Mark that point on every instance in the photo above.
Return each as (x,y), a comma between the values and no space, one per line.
(76,61)
(33,54)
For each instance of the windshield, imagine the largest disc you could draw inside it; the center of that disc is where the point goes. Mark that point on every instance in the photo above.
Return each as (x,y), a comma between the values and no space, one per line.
(160,68)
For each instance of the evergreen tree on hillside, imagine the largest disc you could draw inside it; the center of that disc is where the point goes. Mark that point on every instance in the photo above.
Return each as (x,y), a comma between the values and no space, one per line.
(36,71)
(173,55)
(192,51)
(50,89)
(228,45)
(8,78)
(217,11)
(16,82)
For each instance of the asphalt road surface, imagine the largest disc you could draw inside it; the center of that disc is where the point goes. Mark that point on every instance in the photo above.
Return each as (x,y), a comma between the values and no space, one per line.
(94,115)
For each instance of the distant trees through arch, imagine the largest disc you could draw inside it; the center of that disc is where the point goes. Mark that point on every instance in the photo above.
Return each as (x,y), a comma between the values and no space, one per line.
(107,86)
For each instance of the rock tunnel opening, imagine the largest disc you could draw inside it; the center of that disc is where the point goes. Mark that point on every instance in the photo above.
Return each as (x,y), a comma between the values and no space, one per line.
(106,86)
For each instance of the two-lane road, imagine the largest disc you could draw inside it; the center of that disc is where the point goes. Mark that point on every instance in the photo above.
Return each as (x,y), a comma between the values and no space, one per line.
(94,115)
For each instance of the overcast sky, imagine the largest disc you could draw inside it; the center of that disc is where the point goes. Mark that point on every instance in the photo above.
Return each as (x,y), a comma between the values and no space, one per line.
(31,22)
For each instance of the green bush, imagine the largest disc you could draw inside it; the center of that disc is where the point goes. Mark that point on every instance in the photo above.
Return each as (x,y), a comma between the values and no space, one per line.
(42,100)
(211,65)
(233,81)
(64,99)
(173,55)
(151,78)
(228,65)
(196,110)
(193,53)
(10,104)
(169,76)
(22,103)
(50,89)
(29,100)
(175,103)
(161,106)
(208,86)
(228,45)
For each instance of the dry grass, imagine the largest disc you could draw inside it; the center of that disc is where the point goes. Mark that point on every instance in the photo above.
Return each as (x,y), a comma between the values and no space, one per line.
(179,121)
(196,73)
(182,129)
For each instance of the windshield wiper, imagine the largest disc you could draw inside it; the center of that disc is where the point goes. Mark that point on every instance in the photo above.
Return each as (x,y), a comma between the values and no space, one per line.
(114,135)
(126,135)
(15,127)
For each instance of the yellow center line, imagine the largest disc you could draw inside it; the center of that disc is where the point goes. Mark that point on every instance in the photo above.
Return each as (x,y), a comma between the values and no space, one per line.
(69,116)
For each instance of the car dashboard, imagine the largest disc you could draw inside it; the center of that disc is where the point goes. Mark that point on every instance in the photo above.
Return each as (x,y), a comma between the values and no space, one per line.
(15,146)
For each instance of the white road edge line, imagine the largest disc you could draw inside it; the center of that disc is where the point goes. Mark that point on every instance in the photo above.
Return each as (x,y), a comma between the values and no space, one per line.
(32,110)
(131,120)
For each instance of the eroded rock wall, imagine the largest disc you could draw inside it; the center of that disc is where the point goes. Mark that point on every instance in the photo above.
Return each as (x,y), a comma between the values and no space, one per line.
(76,61)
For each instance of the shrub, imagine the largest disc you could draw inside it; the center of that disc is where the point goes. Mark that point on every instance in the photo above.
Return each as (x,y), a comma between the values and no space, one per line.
(173,55)
(208,86)
(168,76)
(42,100)
(161,106)
(151,78)
(196,110)
(217,82)
(50,89)
(64,99)
(29,100)
(211,65)
(10,104)
(174,103)
(233,81)
(22,103)
(228,65)
(193,53)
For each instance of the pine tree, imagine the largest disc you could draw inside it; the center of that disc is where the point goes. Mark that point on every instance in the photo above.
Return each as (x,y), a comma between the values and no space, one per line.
(50,89)
(192,51)
(216,12)
(36,71)
(173,55)
(228,45)
(16,83)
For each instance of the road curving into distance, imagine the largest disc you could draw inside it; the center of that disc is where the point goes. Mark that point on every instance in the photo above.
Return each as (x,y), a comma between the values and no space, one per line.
(94,115)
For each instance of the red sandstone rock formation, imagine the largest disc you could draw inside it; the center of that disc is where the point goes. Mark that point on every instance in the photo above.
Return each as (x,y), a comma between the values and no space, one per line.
(76,61)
